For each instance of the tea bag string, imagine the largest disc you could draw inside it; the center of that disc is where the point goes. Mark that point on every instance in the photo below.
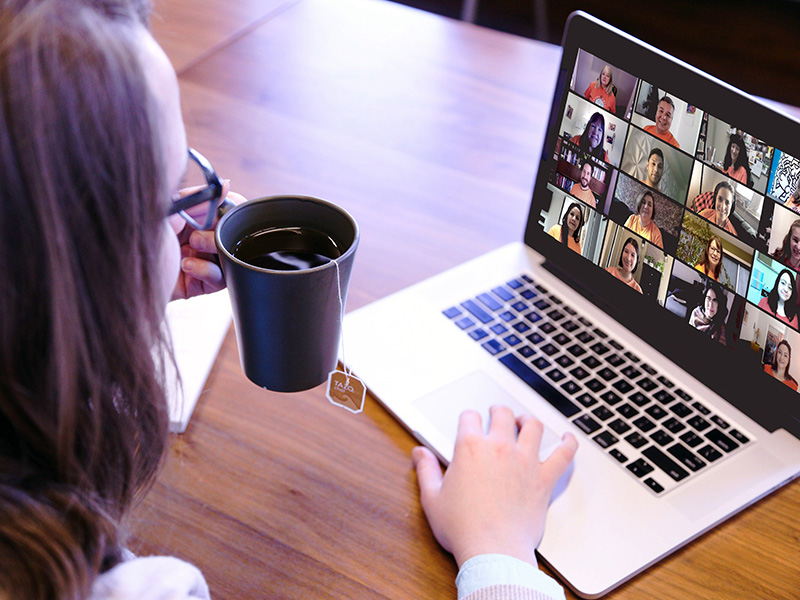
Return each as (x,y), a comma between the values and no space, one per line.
(345,368)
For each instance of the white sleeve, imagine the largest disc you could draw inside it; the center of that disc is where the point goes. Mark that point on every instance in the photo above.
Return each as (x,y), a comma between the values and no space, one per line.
(151,578)
(515,578)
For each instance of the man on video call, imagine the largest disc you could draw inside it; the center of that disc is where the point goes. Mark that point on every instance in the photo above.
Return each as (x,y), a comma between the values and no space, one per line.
(654,168)
(581,189)
(664,112)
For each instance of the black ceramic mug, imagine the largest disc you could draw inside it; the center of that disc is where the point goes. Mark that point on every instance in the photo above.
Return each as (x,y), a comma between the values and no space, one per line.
(287,263)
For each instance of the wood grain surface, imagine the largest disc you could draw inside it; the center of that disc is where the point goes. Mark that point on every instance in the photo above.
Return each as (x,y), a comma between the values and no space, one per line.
(428,131)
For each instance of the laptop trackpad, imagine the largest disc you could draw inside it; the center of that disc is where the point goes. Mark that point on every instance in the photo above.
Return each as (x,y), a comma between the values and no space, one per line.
(478,392)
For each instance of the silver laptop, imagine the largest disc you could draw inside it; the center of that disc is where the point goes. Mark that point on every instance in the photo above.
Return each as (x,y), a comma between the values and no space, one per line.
(648,310)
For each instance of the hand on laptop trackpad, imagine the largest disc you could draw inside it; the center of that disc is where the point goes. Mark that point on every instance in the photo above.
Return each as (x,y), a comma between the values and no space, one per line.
(478,392)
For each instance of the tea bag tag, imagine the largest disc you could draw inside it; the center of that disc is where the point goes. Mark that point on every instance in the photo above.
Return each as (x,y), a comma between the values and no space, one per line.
(346,390)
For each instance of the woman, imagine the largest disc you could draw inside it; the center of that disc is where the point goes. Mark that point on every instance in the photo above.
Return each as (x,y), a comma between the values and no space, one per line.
(779,369)
(569,232)
(709,316)
(92,152)
(591,140)
(723,208)
(642,222)
(781,302)
(789,251)
(736,164)
(711,262)
(602,92)
(628,261)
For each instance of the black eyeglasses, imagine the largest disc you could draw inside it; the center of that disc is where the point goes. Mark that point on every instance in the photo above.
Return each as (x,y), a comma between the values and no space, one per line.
(200,207)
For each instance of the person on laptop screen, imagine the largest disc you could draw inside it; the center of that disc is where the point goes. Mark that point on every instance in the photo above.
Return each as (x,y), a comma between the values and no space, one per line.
(722,205)
(569,232)
(789,251)
(664,114)
(779,368)
(628,261)
(593,136)
(602,92)
(654,168)
(736,164)
(781,302)
(581,189)
(709,317)
(642,222)
(711,262)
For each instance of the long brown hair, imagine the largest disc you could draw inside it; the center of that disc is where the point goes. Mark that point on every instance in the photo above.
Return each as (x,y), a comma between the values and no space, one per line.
(705,260)
(83,424)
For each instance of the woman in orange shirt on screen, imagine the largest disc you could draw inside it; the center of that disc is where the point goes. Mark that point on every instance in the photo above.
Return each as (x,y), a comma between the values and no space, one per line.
(591,140)
(711,262)
(569,232)
(736,164)
(642,222)
(602,92)
(628,261)
(781,301)
(779,369)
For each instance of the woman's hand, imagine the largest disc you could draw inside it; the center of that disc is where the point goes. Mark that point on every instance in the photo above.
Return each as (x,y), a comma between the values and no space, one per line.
(200,272)
(493,498)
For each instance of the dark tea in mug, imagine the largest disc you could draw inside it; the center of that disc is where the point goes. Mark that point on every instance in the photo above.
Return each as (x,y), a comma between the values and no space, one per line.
(287,248)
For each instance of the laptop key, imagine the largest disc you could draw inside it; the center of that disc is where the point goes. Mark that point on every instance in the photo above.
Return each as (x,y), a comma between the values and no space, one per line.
(514,284)
(619,426)
(555,374)
(644,424)
(541,363)
(611,398)
(476,311)
(591,361)
(640,467)
(665,463)
(631,372)
(635,439)
(701,408)
(586,400)
(709,453)
(622,386)
(647,384)
(548,328)
(519,306)
(528,294)
(654,485)
(673,425)
(683,395)
(599,348)
(603,413)
(632,357)
(665,382)
(690,438)
(680,409)
(647,369)
(720,422)
(549,349)
(576,350)
(493,347)
(503,293)
(570,387)
(664,397)
(639,399)
(607,374)
(489,302)
(600,333)
(615,344)
(556,315)
(535,338)
(656,412)
(587,424)
(686,457)
(569,326)
(507,316)
(606,439)
(533,316)
(498,328)
(698,423)
(561,339)
(526,351)
(452,312)
(595,385)
(465,323)
(512,340)
(721,440)
(585,337)
(661,437)
(478,334)
(579,373)
(565,361)
(521,327)
(618,455)
(739,436)
(560,402)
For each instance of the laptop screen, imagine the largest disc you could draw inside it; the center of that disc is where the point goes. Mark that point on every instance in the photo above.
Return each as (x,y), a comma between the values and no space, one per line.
(671,199)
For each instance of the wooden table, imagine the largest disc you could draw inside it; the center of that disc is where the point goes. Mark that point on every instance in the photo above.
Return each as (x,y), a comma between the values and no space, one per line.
(416,124)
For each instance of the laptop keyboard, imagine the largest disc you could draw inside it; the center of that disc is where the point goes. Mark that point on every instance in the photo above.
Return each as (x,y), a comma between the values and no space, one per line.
(651,428)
